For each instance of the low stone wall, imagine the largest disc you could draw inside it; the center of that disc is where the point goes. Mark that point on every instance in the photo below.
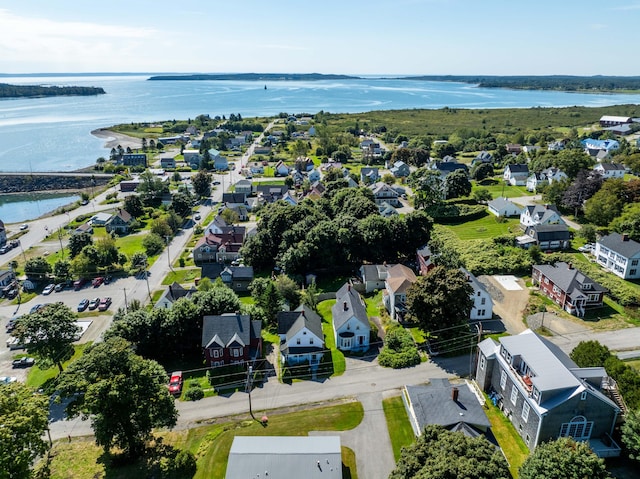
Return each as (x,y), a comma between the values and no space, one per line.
(34,183)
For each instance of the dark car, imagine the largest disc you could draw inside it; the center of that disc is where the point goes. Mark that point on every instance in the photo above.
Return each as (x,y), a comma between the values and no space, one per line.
(104,304)
(93,304)
(11,324)
(23,362)
(37,307)
(83,305)
(79,283)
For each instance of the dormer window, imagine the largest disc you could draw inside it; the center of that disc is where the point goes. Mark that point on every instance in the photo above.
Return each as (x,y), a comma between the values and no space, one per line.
(587,286)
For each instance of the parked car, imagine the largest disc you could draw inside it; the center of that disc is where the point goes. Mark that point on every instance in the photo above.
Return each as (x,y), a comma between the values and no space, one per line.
(197,217)
(37,307)
(4,249)
(23,362)
(587,248)
(104,304)
(82,305)
(216,182)
(93,304)
(175,383)
(79,283)
(11,324)
(59,287)
(8,379)
(48,289)
(24,226)
(97,281)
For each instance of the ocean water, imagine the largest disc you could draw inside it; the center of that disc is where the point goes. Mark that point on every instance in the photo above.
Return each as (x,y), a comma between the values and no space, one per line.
(53,134)
(23,207)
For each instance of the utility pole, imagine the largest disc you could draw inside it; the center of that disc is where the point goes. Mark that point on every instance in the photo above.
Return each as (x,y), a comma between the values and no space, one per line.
(126,308)
(60,238)
(167,238)
(248,387)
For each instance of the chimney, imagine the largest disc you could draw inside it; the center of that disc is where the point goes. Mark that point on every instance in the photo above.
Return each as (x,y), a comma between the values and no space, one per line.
(625,237)
(454,394)
(344,306)
(570,265)
(546,207)
(349,287)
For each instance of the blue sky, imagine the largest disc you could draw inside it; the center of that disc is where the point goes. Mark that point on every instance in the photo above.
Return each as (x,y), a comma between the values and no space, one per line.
(430,37)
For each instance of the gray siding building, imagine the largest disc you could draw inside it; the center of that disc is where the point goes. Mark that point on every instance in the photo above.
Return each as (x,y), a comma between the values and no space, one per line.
(545,395)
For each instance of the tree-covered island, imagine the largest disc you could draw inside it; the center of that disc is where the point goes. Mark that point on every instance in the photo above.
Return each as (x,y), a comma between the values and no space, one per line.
(35,91)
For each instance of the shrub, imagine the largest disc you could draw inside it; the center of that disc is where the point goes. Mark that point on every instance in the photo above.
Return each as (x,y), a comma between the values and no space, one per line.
(399,350)
(194,393)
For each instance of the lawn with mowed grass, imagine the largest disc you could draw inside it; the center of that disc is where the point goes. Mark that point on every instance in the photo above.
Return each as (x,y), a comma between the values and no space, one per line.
(187,275)
(37,377)
(502,190)
(486,227)
(513,447)
(324,310)
(81,458)
(400,430)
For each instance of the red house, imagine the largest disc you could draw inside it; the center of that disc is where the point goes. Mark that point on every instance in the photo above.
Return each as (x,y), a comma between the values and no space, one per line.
(231,338)
(571,289)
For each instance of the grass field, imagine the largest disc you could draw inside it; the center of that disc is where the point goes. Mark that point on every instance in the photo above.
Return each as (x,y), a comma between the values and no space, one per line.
(400,430)
(187,275)
(484,228)
(503,190)
(37,377)
(81,458)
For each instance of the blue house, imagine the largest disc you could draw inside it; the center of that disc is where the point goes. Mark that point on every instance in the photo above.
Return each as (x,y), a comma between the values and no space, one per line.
(220,163)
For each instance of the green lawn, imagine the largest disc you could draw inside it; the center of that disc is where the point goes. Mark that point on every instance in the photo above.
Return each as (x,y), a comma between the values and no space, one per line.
(187,275)
(400,430)
(484,228)
(503,190)
(324,309)
(81,458)
(513,447)
(37,377)
(374,303)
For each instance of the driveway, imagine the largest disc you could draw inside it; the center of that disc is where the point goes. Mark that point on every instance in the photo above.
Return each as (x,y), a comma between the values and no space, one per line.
(508,304)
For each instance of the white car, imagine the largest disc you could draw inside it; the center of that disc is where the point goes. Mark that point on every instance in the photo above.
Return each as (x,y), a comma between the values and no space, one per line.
(24,226)
(8,379)
(48,289)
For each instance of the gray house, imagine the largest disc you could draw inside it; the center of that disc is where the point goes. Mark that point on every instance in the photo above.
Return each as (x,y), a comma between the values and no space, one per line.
(545,395)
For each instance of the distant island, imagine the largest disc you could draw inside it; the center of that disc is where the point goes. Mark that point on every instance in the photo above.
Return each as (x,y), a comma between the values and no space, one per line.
(550,82)
(36,91)
(256,77)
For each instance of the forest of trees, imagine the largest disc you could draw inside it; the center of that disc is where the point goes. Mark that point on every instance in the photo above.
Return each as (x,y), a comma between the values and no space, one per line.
(34,91)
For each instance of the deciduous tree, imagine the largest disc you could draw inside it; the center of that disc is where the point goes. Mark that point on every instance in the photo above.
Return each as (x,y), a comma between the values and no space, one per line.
(457,184)
(441,454)
(77,242)
(133,206)
(37,268)
(202,184)
(590,354)
(23,421)
(124,395)
(563,459)
(631,433)
(49,333)
(604,206)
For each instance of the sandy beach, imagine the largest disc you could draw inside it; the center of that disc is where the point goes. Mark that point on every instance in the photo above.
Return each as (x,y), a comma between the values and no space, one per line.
(113,139)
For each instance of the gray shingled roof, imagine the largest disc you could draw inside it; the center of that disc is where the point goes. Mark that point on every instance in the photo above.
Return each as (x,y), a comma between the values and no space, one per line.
(290,322)
(348,304)
(500,203)
(518,168)
(226,326)
(477,285)
(309,457)
(559,232)
(433,404)
(568,279)
(615,243)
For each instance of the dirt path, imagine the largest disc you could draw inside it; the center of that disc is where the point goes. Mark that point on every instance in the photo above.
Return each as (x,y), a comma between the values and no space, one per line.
(509,305)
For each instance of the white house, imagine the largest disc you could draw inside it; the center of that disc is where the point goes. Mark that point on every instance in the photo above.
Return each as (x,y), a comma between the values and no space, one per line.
(350,321)
(619,254)
(301,337)
(383,193)
(516,175)
(610,170)
(482,302)
(546,176)
(374,276)
(540,215)
(244,186)
(503,207)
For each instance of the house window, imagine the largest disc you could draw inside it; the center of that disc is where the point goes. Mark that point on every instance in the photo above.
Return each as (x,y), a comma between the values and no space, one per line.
(514,394)
(535,393)
(478,293)
(483,362)
(297,340)
(556,289)
(546,281)
(310,340)
(216,353)
(481,312)
(483,301)
(237,352)
(527,439)
(583,396)
(632,272)
(525,411)
(503,379)
(634,262)
(578,428)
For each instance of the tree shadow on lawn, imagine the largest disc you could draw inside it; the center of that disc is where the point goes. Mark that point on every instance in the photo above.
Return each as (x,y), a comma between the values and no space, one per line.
(458,365)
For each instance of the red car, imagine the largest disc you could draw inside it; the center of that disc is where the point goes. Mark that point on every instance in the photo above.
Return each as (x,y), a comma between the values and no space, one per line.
(97,281)
(175,383)
(104,304)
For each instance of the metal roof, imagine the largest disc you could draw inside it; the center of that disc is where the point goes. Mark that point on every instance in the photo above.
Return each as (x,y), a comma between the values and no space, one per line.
(283,457)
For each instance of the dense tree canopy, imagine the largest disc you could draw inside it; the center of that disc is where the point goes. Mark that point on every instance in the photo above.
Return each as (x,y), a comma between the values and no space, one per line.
(590,354)
(201,184)
(585,185)
(78,241)
(37,268)
(124,395)
(441,454)
(133,205)
(604,206)
(631,433)
(457,184)
(563,459)
(49,333)
(440,302)
(24,419)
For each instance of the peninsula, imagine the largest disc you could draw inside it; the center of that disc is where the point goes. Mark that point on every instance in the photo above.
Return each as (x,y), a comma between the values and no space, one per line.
(37,91)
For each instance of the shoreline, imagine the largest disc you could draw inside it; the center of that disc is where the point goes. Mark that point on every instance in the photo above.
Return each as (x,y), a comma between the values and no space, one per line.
(113,139)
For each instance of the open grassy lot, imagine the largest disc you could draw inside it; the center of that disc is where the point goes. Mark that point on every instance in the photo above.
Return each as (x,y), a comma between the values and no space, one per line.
(81,458)
(400,430)
(503,190)
(187,275)
(324,309)
(38,378)
(485,227)
(514,448)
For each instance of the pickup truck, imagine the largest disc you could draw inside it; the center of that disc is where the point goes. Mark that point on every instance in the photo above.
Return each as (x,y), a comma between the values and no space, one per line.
(23,362)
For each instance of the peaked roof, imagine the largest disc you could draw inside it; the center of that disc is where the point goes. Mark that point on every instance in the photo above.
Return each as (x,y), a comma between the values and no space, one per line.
(400,278)
(433,404)
(615,242)
(502,203)
(610,166)
(226,329)
(348,305)
(569,279)
(517,168)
